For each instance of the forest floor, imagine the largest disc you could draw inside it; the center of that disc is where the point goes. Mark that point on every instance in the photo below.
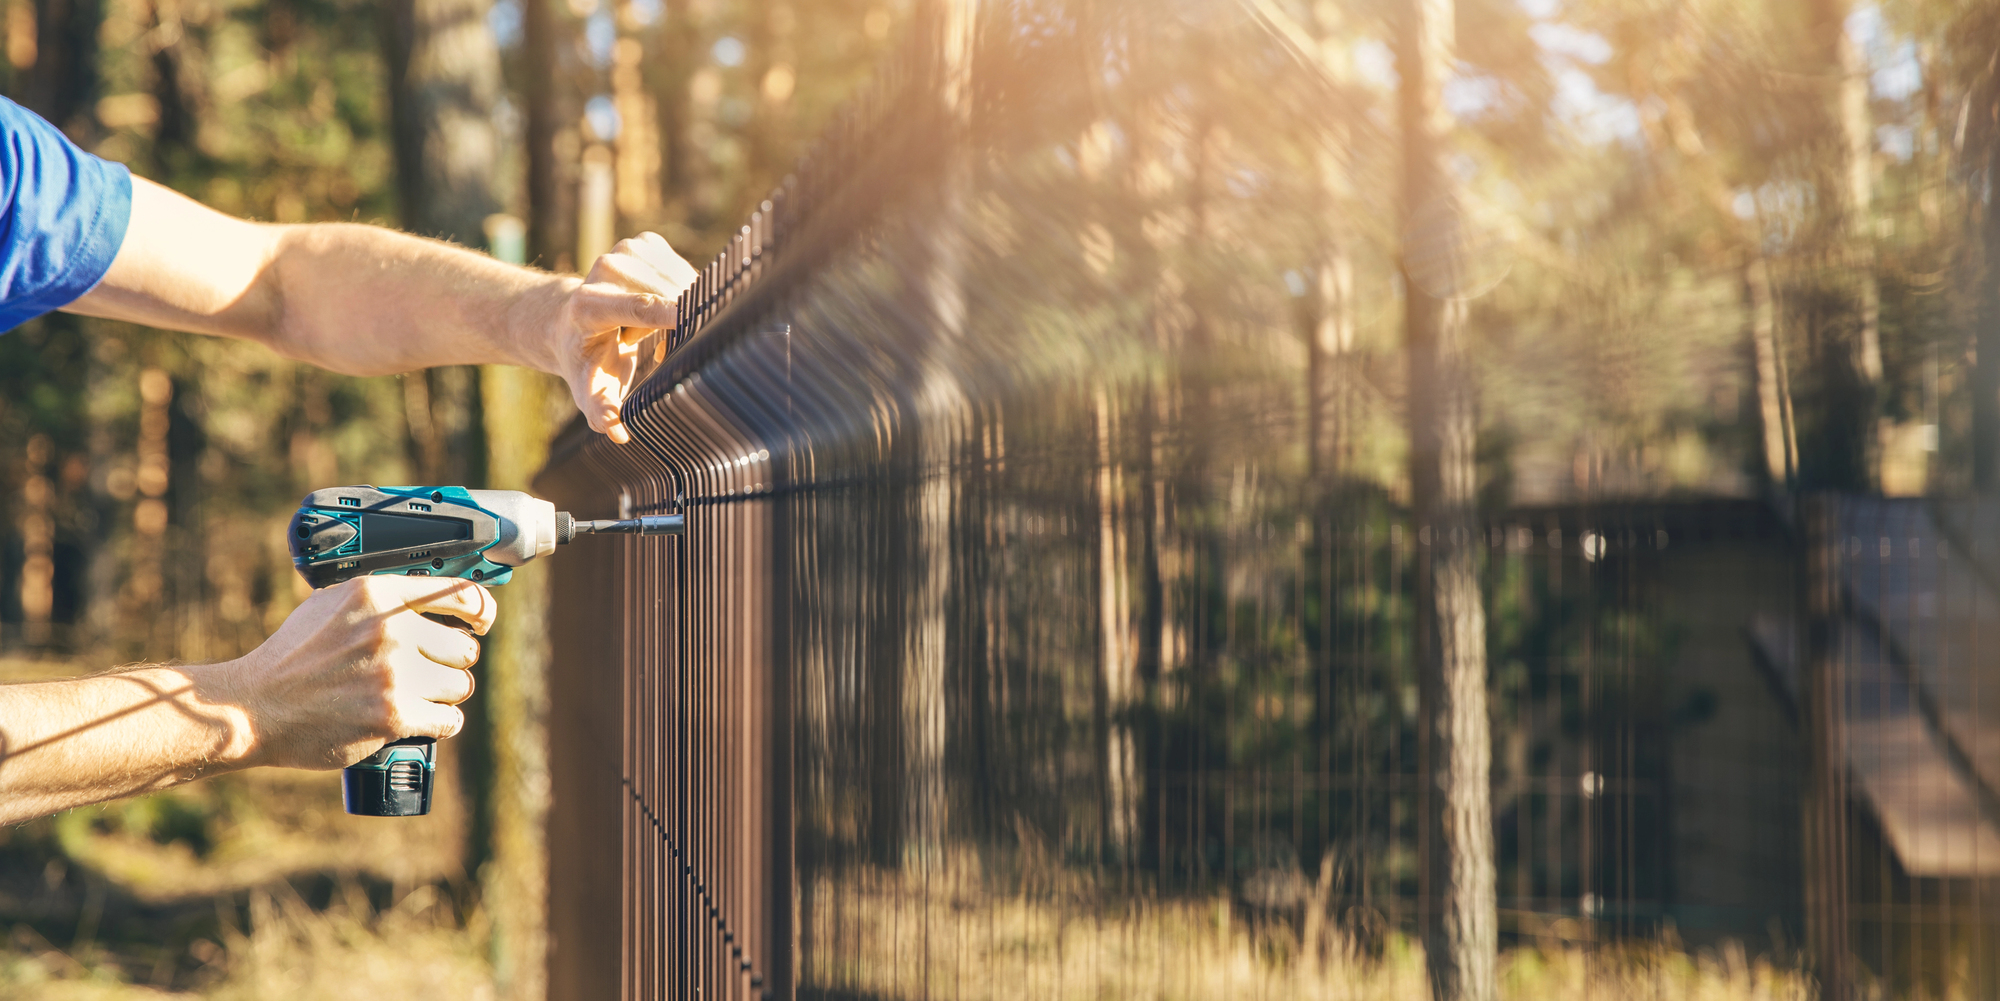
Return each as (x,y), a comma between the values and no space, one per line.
(254,885)
(257,885)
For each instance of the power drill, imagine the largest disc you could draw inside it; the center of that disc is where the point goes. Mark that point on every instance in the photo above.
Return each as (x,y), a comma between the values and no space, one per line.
(478,535)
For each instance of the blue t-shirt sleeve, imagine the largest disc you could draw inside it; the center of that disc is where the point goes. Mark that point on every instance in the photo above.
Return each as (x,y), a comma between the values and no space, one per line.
(63,215)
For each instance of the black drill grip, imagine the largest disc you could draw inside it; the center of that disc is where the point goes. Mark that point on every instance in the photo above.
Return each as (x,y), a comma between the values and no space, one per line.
(396,780)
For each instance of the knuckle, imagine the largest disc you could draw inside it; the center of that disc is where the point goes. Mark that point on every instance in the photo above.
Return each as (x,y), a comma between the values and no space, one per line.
(386,714)
(381,682)
(372,592)
(348,592)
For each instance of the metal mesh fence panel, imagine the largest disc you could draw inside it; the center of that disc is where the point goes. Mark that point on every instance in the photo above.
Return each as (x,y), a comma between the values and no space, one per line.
(1044,623)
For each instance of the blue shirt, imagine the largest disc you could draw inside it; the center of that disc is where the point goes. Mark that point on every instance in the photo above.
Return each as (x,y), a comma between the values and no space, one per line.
(63,214)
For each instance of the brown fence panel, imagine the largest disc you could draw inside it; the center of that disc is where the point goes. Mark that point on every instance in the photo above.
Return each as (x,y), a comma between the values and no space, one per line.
(1043,622)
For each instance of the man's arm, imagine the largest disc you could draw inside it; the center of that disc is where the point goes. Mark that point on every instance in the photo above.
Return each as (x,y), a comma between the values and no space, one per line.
(68,743)
(364,300)
(356,665)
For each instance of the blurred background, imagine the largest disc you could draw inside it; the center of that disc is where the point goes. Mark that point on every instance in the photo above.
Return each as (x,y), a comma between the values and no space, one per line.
(148,476)
(1714,251)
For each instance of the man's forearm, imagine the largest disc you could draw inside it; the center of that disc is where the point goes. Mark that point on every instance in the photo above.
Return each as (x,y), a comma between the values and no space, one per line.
(355,665)
(70,743)
(371,301)
(358,299)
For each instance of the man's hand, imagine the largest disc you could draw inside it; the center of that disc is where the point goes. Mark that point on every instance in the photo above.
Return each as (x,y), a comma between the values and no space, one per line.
(357,665)
(628,295)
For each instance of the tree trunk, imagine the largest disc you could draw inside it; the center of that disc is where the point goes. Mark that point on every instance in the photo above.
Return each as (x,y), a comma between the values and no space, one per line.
(942,418)
(19,24)
(1460,923)
(1329,316)
(1116,681)
(1773,395)
(1983,121)
(1332,297)
(61,78)
(145,586)
(1850,343)
(1329,336)
(178,91)
(551,140)
(1149,278)
(1855,172)
(669,78)
(522,409)
(1115,684)
(36,530)
(444,80)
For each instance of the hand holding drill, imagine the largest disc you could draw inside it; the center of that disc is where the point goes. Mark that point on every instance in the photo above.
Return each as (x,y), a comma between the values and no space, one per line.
(389,545)
(367,643)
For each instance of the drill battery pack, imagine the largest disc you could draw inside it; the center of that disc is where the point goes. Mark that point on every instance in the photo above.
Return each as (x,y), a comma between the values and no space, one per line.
(394,781)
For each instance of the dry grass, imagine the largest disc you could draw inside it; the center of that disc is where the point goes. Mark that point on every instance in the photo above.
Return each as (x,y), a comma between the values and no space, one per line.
(253,829)
(894,938)
(289,950)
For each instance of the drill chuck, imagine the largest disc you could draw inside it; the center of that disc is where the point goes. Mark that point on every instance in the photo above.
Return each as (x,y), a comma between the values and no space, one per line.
(568,528)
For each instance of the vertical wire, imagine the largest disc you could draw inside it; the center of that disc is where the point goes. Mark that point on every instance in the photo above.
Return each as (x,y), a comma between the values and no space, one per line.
(629,842)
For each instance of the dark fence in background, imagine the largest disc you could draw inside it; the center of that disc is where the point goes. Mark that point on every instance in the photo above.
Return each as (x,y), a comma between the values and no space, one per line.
(1033,635)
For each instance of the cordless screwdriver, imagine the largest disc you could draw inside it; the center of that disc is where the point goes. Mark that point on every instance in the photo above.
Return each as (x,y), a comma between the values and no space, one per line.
(341,533)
